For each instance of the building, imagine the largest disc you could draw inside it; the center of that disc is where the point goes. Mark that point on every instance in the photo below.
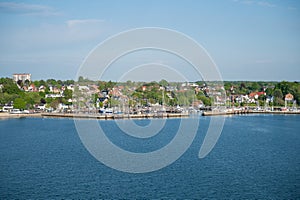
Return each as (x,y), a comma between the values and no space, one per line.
(289,97)
(255,95)
(23,77)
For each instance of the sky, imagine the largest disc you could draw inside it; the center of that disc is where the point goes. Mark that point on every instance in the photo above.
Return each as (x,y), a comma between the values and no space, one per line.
(247,39)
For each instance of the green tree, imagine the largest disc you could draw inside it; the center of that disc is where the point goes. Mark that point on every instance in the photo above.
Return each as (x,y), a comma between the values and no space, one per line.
(37,83)
(19,103)
(255,87)
(52,82)
(278,93)
(31,99)
(206,100)
(278,97)
(269,92)
(9,86)
(54,104)
(163,83)
(80,79)
(68,94)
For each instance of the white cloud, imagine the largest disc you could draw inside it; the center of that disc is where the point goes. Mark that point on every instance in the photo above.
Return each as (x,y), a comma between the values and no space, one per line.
(29,9)
(83,22)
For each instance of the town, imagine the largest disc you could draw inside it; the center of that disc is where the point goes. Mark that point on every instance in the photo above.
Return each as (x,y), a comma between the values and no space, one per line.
(21,95)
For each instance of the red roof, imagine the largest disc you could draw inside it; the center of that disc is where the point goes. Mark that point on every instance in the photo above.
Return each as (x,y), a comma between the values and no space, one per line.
(252,94)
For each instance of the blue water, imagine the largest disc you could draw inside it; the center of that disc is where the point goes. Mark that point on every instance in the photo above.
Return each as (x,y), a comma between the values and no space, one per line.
(256,157)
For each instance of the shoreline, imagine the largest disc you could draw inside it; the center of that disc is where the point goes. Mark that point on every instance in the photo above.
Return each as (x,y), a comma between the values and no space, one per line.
(137,116)
(5,115)
(93,116)
(246,112)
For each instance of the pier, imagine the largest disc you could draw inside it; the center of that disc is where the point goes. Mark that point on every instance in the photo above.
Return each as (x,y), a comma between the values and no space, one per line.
(241,112)
(115,116)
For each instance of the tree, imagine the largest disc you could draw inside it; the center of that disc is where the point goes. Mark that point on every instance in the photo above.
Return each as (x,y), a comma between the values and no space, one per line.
(278,93)
(68,94)
(9,86)
(54,104)
(80,79)
(52,82)
(206,100)
(6,98)
(69,82)
(163,83)
(37,83)
(19,103)
(42,82)
(31,99)
(269,92)
(278,97)
(254,87)
(59,82)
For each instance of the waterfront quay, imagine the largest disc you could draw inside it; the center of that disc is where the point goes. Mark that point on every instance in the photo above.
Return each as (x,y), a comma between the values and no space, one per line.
(95,116)
(114,116)
(239,112)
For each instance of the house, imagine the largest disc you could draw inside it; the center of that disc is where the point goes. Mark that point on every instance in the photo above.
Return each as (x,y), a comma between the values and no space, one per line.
(53,95)
(94,88)
(104,93)
(32,88)
(42,88)
(7,108)
(289,97)
(255,95)
(197,104)
(41,107)
(70,87)
(56,90)
(115,92)
(83,88)
(25,88)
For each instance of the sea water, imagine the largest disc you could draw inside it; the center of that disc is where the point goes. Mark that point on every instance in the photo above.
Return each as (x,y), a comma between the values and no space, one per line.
(256,157)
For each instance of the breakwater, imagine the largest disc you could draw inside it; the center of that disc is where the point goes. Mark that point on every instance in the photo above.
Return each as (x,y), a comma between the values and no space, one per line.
(240,112)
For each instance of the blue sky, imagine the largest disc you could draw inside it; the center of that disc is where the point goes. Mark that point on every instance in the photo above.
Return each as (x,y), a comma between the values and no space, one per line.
(247,39)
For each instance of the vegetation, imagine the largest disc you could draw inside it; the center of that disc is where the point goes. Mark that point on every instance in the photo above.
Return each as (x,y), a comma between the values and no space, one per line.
(11,93)
(142,94)
(276,89)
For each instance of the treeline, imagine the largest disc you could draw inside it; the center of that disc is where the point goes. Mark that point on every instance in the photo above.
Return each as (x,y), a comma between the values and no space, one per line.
(12,93)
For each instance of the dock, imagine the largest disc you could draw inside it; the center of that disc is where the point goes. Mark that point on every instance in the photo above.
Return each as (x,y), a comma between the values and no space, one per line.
(114,116)
(241,112)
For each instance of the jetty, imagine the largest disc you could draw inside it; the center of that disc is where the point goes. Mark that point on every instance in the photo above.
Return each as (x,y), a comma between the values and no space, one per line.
(115,116)
(241,112)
